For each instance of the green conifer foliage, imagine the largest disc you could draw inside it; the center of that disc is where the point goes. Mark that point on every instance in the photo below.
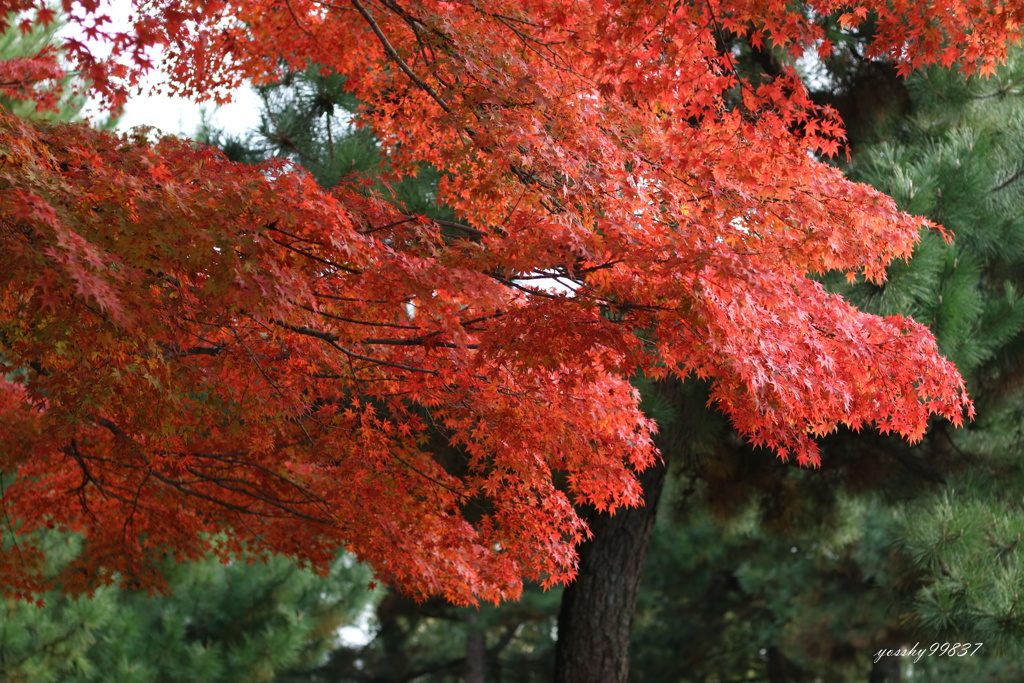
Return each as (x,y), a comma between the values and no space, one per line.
(236,623)
(308,118)
(960,160)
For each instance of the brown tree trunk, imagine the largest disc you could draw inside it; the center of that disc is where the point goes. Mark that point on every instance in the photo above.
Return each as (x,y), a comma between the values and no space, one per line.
(778,666)
(597,608)
(886,670)
(476,650)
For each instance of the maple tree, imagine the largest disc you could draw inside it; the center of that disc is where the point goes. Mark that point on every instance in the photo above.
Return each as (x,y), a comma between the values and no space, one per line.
(202,355)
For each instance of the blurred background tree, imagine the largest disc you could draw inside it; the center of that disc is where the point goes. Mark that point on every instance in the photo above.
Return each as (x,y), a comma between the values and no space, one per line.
(217,624)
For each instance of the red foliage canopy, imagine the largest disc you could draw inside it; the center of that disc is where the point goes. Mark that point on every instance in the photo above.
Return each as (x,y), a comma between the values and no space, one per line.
(204,354)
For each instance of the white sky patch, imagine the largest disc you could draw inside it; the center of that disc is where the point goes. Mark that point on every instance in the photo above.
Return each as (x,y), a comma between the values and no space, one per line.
(171,115)
(551,285)
(180,116)
(740,225)
(362,631)
(813,71)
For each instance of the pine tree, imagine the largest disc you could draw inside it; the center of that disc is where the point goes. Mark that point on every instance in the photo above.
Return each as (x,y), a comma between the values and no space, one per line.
(217,623)
(309,118)
(887,545)
(959,162)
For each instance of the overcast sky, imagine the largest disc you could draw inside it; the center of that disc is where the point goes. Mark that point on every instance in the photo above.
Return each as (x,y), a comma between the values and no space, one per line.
(174,115)
(179,116)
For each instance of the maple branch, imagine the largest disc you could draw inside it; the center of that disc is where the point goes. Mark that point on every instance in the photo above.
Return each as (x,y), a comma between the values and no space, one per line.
(393,54)
(479,319)
(368,323)
(345,269)
(356,321)
(172,351)
(134,507)
(385,227)
(418,341)
(87,478)
(426,476)
(298,24)
(409,19)
(417,25)
(459,226)
(526,39)
(108,424)
(332,340)
(251,489)
(351,299)
(528,290)
(272,225)
(231,460)
(181,487)
(273,384)
(308,331)
(527,178)
(607,264)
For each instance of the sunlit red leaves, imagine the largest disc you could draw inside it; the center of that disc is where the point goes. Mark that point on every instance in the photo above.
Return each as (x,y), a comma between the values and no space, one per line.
(787,373)
(213,351)
(220,350)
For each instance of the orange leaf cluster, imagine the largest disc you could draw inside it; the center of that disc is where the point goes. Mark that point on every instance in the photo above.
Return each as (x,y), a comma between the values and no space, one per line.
(205,355)
(33,79)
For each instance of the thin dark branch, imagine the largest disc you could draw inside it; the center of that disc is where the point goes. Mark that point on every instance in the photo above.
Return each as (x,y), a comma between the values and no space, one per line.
(232,506)
(172,351)
(528,290)
(459,226)
(298,24)
(272,225)
(273,384)
(109,425)
(356,321)
(332,340)
(370,231)
(417,341)
(393,54)
(332,264)
(348,298)
(1009,181)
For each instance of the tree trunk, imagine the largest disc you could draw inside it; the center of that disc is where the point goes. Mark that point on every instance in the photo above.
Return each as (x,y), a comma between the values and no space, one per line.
(597,608)
(476,649)
(886,670)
